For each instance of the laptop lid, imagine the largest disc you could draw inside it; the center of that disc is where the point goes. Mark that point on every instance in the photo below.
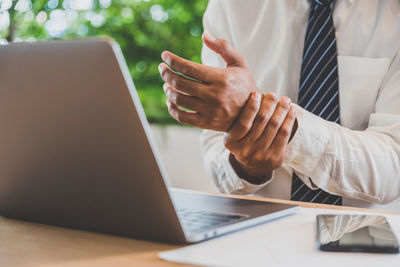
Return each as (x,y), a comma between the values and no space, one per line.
(75,145)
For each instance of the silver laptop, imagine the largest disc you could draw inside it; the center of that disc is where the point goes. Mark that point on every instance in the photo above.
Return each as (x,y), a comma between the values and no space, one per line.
(76,151)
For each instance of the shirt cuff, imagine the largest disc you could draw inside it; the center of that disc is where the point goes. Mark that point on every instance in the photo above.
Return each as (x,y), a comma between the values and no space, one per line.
(305,150)
(239,185)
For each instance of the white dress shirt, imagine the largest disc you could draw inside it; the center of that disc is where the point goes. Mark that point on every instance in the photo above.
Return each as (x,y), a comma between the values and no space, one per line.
(359,160)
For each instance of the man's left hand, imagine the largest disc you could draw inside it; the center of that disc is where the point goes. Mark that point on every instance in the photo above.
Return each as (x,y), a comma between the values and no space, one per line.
(215,96)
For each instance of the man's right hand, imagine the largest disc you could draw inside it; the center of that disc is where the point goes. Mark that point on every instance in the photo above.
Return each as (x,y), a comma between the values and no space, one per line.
(215,96)
(259,136)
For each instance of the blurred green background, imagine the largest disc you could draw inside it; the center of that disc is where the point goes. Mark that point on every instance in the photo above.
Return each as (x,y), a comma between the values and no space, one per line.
(143,28)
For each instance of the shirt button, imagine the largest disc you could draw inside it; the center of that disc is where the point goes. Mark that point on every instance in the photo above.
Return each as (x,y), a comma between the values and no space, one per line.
(295,161)
(332,189)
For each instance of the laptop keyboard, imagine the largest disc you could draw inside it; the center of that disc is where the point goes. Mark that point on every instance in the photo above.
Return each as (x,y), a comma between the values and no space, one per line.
(202,220)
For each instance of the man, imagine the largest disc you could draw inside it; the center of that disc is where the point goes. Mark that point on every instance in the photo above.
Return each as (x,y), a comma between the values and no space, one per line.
(338,60)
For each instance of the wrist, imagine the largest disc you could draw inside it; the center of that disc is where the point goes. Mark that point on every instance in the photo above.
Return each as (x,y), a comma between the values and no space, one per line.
(252,174)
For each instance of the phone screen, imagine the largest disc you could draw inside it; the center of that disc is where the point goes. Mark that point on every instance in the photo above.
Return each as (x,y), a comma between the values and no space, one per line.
(356,233)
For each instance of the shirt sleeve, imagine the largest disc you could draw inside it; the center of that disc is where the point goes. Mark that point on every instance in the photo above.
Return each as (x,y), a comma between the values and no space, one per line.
(355,164)
(215,155)
(216,160)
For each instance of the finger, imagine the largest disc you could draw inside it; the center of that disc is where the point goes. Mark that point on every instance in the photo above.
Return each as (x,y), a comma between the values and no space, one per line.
(181,116)
(275,123)
(222,47)
(191,69)
(284,133)
(264,114)
(182,100)
(244,121)
(180,83)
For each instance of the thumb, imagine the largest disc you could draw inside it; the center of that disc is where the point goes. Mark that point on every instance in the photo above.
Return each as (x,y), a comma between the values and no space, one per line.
(228,53)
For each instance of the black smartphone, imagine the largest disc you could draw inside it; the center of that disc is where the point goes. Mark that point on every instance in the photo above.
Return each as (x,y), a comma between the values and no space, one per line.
(356,233)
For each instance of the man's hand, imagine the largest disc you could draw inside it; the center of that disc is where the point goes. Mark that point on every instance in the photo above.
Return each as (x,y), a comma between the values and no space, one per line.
(214,95)
(258,138)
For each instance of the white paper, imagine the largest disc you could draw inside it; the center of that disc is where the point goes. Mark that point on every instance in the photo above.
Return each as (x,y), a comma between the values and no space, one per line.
(290,241)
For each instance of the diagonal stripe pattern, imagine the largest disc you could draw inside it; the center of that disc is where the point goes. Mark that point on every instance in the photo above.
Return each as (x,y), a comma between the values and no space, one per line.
(319,89)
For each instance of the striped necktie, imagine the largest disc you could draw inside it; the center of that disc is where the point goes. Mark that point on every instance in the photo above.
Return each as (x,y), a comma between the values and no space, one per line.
(318,91)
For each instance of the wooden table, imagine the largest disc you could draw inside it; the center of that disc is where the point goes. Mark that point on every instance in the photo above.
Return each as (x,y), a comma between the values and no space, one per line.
(29,244)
